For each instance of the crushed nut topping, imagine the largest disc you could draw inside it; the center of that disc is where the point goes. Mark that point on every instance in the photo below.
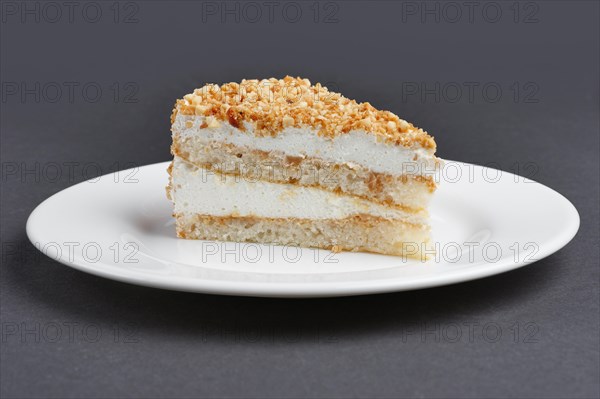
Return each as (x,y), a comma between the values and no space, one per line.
(270,105)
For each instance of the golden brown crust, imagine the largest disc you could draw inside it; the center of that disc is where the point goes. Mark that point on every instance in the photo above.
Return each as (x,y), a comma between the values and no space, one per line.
(274,104)
(169,187)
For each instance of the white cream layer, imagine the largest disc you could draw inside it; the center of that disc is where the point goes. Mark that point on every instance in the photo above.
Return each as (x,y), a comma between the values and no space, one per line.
(356,147)
(201,191)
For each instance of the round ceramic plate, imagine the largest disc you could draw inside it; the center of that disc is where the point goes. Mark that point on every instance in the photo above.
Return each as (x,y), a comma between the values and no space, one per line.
(120,226)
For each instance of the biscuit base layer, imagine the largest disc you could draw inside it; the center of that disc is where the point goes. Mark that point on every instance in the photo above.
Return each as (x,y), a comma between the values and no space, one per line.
(358,233)
(406,191)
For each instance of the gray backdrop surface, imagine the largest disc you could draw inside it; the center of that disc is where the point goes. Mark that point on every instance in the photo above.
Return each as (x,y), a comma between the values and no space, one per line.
(88,87)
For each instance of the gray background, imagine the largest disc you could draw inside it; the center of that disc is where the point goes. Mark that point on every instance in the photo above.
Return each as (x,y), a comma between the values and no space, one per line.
(394,345)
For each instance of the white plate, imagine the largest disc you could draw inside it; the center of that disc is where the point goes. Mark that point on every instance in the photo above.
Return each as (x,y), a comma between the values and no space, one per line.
(119,226)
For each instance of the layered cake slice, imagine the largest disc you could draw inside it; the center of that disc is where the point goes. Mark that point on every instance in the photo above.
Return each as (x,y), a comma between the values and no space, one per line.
(287,162)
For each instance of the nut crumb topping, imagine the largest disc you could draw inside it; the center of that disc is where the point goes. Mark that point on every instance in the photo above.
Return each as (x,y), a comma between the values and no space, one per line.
(271,105)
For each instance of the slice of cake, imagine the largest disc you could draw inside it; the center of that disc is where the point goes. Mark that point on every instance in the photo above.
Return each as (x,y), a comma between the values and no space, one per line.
(287,162)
